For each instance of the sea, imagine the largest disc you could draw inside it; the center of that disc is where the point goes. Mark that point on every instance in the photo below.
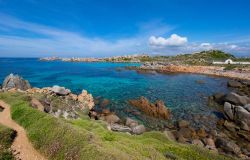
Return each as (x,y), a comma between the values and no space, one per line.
(186,95)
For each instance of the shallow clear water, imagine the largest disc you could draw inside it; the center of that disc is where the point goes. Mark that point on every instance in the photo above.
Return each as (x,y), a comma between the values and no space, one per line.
(181,92)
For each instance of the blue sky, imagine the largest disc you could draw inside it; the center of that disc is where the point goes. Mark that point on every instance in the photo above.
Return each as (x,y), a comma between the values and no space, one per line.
(91,28)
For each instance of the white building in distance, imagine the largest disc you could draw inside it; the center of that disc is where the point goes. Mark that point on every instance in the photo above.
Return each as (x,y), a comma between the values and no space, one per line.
(229,61)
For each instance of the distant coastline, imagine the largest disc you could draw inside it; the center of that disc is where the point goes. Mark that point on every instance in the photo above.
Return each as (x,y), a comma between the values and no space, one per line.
(198,63)
(127,58)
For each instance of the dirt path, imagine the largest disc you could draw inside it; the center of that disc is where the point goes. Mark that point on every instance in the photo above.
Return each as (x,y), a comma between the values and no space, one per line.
(21,144)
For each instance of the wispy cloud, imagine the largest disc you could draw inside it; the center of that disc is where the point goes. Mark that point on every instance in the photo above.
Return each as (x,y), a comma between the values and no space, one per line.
(22,38)
(49,40)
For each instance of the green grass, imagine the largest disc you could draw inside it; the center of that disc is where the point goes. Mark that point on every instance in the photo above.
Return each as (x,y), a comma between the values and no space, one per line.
(7,136)
(89,139)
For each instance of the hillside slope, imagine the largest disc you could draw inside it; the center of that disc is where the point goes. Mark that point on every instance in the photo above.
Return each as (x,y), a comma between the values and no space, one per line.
(86,139)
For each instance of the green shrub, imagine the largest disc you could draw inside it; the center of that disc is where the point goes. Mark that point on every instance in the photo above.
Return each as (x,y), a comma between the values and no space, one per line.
(7,136)
(229,67)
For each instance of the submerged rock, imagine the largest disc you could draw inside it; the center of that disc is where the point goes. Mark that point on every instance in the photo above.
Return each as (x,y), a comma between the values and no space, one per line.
(104,103)
(157,110)
(218,97)
(15,82)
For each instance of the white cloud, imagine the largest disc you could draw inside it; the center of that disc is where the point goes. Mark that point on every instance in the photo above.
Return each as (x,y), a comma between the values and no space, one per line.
(206,46)
(173,41)
(233,46)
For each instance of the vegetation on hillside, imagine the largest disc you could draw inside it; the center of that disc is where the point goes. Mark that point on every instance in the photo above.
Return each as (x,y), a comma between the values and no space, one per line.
(61,139)
(7,136)
(200,58)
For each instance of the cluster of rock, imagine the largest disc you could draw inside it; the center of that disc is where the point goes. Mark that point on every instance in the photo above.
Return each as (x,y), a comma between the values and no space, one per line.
(56,100)
(114,123)
(157,109)
(184,133)
(236,122)
(61,102)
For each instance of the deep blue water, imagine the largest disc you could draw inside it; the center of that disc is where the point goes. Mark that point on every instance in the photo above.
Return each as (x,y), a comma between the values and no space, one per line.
(180,92)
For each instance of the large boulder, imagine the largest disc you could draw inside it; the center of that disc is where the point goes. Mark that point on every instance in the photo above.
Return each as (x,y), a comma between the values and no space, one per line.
(138,129)
(236,99)
(61,91)
(112,118)
(16,82)
(219,97)
(247,107)
(87,99)
(227,146)
(242,115)
(234,84)
(157,109)
(229,110)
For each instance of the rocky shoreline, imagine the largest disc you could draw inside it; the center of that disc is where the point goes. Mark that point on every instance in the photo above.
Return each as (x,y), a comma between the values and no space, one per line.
(207,70)
(231,135)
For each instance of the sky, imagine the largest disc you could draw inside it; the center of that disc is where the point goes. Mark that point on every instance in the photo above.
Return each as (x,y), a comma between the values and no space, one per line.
(101,28)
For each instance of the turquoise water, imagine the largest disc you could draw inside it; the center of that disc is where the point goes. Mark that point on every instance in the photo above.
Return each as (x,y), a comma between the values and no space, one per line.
(181,92)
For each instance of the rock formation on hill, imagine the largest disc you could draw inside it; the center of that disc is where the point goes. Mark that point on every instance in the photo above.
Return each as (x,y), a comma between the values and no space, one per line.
(15,82)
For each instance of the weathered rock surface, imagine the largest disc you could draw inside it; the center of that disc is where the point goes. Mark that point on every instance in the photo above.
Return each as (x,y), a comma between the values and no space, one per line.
(219,97)
(120,128)
(197,142)
(87,99)
(131,123)
(229,110)
(36,104)
(242,114)
(234,84)
(15,81)
(183,124)
(227,146)
(238,114)
(61,91)
(210,144)
(138,129)
(112,118)
(236,99)
(157,110)
(247,107)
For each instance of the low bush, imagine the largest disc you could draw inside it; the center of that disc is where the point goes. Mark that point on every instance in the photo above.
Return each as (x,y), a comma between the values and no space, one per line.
(7,136)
